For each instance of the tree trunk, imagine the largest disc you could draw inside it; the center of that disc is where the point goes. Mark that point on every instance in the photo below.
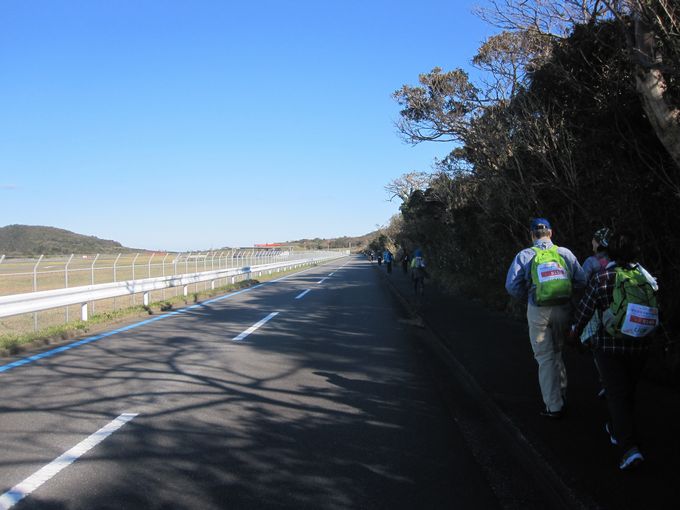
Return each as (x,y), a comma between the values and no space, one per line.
(651,85)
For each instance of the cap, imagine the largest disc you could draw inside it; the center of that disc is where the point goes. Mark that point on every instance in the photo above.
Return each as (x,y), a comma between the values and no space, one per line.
(539,223)
(602,236)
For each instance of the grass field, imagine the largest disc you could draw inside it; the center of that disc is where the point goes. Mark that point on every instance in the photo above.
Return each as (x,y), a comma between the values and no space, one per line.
(17,276)
(27,275)
(20,330)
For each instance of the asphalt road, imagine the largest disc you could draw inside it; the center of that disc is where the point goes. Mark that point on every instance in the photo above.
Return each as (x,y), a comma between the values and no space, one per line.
(333,403)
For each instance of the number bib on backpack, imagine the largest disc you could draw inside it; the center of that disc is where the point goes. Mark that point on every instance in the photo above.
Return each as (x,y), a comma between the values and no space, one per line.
(550,271)
(550,276)
(640,320)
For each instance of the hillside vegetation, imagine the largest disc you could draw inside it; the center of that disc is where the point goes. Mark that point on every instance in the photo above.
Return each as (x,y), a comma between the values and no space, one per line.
(29,240)
(576,118)
(357,243)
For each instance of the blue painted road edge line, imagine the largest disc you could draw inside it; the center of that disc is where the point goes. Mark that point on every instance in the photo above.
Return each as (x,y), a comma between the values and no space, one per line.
(63,348)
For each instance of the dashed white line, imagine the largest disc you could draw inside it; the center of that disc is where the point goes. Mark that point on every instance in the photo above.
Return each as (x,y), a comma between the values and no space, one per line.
(331,274)
(302,294)
(255,326)
(322,280)
(30,484)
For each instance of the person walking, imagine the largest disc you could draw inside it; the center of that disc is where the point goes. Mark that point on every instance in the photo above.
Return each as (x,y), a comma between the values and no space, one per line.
(404,262)
(600,257)
(418,272)
(591,266)
(546,275)
(623,337)
(388,260)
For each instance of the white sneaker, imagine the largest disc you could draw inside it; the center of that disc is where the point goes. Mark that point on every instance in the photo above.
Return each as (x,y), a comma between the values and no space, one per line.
(631,459)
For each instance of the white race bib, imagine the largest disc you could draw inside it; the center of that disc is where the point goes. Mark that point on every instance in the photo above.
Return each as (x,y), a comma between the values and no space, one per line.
(548,271)
(640,320)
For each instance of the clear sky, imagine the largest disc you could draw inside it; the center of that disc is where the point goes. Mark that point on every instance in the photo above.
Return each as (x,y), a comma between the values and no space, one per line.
(195,124)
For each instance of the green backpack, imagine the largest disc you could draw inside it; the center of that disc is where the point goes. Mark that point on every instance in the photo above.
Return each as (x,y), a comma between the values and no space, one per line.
(550,275)
(633,311)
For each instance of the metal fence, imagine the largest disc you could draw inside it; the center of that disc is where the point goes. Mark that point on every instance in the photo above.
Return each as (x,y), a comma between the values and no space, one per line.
(19,276)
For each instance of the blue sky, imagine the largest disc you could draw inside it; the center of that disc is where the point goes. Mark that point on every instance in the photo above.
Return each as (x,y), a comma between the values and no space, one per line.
(189,125)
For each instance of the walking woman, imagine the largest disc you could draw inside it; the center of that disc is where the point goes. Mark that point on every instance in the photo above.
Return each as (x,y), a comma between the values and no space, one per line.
(620,354)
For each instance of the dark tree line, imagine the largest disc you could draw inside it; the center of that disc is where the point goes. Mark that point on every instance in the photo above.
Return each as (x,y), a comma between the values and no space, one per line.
(577,120)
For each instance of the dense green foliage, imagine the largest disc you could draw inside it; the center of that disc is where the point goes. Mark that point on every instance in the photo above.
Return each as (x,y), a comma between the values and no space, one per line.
(28,240)
(571,140)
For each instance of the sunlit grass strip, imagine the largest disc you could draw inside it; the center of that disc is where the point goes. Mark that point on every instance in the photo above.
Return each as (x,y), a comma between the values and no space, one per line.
(10,343)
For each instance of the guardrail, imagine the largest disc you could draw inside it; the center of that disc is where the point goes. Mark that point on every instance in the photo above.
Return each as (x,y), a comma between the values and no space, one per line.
(31,302)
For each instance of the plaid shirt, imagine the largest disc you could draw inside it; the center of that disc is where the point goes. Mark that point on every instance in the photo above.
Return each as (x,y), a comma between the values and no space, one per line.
(598,297)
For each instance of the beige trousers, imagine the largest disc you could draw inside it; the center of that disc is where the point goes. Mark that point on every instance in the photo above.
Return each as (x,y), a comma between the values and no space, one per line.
(547,328)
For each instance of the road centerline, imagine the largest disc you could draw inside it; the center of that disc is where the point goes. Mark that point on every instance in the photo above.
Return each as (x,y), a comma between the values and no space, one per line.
(46,473)
(53,352)
(302,294)
(254,327)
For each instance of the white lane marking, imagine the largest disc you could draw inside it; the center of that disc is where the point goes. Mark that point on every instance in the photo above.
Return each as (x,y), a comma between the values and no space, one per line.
(322,280)
(331,274)
(53,352)
(30,484)
(255,326)
(302,294)
(291,275)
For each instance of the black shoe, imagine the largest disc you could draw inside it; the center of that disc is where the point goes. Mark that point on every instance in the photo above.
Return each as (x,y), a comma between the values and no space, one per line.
(555,415)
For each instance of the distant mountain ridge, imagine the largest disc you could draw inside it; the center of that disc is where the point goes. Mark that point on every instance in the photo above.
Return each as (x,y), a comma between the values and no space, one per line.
(32,240)
(356,242)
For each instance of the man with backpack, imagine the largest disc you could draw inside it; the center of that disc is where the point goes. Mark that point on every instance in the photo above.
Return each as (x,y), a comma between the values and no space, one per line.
(387,256)
(546,276)
(623,296)
(418,272)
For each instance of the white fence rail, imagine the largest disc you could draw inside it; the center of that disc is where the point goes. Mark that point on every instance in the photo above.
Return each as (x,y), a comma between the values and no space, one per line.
(32,302)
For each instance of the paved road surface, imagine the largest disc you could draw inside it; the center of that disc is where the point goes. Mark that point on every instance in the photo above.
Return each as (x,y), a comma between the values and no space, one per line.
(332,403)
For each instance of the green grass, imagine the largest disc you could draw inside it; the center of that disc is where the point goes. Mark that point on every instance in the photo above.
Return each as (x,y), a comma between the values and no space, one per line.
(12,343)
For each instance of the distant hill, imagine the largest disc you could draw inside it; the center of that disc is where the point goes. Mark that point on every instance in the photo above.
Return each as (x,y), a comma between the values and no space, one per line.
(29,240)
(357,242)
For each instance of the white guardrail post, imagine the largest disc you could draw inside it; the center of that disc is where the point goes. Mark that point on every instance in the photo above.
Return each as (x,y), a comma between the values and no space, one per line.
(185,288)
(34,302)
(133,276)
(163,274)
(35,289)
(115,279)
(93,263)
(145,295)
(68,262)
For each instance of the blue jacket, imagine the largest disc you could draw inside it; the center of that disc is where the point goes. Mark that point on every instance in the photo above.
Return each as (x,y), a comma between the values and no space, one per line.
(518,282)
(593,264)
